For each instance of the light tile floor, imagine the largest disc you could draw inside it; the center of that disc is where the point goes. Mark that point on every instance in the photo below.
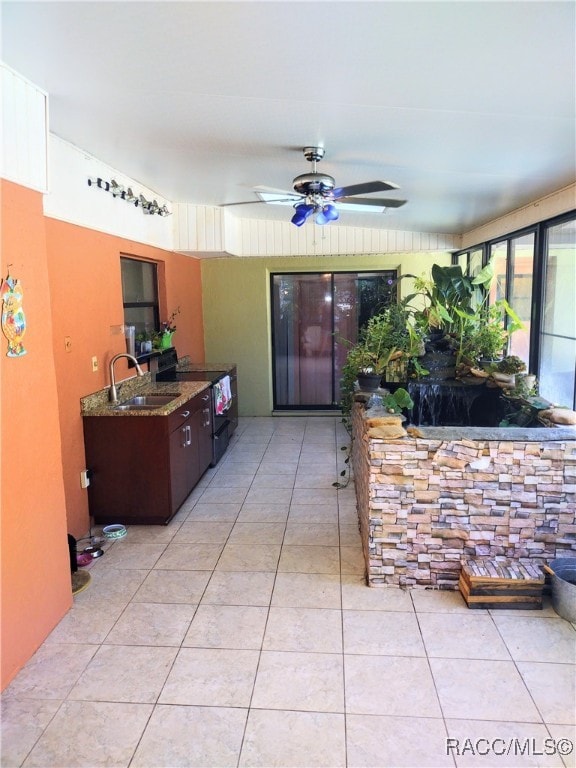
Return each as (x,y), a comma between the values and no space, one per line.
(242,634)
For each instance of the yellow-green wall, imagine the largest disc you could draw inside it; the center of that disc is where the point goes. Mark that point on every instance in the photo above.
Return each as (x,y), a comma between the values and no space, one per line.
(236,302)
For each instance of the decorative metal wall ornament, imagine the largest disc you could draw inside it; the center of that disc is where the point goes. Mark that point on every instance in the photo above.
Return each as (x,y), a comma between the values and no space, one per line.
(126,193)
(13,318)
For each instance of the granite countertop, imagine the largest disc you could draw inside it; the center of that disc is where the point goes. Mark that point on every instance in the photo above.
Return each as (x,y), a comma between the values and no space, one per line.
(97,403)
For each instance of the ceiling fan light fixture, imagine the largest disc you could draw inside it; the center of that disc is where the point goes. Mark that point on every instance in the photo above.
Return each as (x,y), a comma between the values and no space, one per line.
(327,214)
(302,212)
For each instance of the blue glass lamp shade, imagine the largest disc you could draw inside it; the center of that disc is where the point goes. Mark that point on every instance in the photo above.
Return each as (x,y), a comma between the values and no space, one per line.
(327,214)
(303,211)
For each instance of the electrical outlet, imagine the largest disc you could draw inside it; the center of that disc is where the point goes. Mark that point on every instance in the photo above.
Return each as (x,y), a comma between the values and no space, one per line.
(67,343)
(94,364)
(84,478)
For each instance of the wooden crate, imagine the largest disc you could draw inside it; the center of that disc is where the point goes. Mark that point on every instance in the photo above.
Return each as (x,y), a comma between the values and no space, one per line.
(501,583)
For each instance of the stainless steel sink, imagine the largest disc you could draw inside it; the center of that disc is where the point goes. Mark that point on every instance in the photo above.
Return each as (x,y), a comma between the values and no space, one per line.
(146,402)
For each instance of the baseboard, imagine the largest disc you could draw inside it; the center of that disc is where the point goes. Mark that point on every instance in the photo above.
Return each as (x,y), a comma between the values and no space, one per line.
(307,413)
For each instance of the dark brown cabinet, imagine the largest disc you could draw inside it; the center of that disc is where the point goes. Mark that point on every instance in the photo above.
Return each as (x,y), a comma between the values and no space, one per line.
(142,466)
(203,428)
(184,461)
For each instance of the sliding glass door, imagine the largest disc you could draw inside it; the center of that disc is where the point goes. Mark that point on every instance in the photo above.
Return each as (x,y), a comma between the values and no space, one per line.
(313,316)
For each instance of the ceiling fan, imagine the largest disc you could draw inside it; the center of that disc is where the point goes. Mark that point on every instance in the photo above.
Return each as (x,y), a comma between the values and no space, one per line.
(316,193)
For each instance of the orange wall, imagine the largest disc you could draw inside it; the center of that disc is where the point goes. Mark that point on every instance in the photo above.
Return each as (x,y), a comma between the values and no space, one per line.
(86,291)
(71,278)
(35,569)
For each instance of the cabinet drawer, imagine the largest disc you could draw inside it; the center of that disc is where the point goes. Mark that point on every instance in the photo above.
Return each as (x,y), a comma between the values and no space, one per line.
(179,416)
(202,400)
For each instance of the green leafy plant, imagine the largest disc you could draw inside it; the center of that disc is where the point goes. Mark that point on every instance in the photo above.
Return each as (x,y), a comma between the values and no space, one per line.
(511,364)
(387,337)
(375,347)
(417,370)
(486,336)
(524,388)
(451,297)
(169,326)
(398,401)
(524,416)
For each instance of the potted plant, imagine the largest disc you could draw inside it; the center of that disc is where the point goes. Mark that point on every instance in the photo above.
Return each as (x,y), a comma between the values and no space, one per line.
(406,338)
(167,328)
(504,372)
(366,360)
(144,342)
(511,364)
(376,348)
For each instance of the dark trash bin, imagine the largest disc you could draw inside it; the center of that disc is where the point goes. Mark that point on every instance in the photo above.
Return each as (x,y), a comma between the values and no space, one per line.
(72,549)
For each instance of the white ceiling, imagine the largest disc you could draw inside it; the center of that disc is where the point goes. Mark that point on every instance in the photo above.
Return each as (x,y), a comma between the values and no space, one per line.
(468,106)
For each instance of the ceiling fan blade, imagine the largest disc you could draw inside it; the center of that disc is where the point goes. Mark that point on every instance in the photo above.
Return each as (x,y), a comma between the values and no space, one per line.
(363,189)
(375,201)
(290,199)
(275,191)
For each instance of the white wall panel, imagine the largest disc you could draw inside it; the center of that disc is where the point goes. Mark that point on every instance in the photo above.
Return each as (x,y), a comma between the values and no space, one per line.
(180,222)
(562,201)
(200,228)
(231,232)
(211,231)
(71,198)
(24,153)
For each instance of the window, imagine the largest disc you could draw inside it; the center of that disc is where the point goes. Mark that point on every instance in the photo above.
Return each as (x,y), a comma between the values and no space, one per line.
(499,257)
(535,270)
(140,294)
(513,260)
(557,369)
(470,261)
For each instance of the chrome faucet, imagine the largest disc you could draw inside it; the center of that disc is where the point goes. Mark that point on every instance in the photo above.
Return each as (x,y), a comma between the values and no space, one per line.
(113,394)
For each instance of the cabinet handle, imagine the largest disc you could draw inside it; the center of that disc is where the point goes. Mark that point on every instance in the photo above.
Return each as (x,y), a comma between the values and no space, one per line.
(206,397)
(189,431)
(185,414)
(206,419)
(184,439)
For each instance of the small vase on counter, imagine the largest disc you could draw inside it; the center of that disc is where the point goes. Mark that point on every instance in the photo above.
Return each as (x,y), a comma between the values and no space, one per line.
(166,340)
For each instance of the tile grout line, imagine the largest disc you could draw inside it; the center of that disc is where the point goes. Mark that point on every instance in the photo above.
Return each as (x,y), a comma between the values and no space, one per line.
(249,707)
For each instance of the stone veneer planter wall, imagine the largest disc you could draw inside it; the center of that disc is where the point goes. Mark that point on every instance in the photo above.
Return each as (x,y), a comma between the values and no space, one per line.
(425,504)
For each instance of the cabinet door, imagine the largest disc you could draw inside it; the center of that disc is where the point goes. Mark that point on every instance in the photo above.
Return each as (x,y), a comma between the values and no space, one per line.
(204,430)
(183,462)
(130,464)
